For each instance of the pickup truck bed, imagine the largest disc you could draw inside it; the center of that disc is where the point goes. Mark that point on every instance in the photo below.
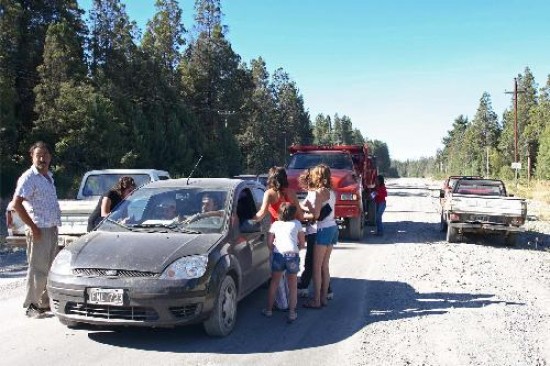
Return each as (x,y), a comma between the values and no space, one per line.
(482,208)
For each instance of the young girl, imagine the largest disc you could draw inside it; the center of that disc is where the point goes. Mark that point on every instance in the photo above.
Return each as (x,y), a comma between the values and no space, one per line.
(286,238)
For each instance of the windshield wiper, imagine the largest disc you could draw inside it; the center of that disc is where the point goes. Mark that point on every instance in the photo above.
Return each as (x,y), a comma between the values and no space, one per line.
(172,227)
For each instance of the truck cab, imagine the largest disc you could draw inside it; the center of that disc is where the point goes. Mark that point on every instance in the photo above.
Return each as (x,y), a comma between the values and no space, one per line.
(353,173)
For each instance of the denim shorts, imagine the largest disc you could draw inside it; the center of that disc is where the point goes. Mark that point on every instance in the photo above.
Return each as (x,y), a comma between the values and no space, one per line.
(280,262)
(327,235)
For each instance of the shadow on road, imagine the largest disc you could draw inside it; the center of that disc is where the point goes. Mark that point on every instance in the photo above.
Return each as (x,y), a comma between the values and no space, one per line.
(357,303)
(414,232)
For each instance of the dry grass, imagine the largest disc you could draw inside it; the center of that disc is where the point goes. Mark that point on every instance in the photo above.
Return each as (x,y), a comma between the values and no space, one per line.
(538,192)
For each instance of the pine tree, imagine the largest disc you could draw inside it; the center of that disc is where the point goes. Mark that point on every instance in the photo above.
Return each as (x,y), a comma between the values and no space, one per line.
(213,86)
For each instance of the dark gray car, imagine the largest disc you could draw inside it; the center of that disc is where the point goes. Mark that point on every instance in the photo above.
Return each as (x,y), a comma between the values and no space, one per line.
(174,252)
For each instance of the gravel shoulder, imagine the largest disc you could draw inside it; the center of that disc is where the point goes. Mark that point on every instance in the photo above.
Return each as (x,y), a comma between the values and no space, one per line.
(473,303)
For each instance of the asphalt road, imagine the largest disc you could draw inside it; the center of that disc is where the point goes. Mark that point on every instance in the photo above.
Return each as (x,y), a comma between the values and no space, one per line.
(384,312)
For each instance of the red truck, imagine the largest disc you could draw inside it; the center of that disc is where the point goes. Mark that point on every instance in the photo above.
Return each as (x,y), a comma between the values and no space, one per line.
(354,173)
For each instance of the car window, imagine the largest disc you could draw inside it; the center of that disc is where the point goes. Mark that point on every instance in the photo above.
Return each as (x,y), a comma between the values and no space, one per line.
(98,185)
(258,195)
(191,208)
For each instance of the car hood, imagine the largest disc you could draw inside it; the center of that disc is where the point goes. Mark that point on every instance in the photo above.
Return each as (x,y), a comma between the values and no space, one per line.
(146,252)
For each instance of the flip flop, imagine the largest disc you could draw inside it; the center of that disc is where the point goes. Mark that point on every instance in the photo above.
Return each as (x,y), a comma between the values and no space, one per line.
(310,305)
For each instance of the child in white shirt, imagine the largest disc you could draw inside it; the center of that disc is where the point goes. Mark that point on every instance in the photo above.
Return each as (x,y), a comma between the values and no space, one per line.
(285,240)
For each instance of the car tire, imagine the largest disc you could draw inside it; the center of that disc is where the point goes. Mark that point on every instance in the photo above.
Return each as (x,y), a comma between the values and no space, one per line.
(68,323)
(355,228)
(452,234)
(510,239)
(443,224)
(224,315)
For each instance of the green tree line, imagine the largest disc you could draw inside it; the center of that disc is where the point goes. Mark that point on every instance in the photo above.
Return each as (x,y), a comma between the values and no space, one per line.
(105,94)
(486,146)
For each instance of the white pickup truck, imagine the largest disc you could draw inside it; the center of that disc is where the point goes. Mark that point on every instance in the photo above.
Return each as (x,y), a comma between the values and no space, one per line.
(482,206)
(75,213)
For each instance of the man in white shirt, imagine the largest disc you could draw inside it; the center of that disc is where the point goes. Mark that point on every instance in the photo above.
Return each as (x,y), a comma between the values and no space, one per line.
(42,216)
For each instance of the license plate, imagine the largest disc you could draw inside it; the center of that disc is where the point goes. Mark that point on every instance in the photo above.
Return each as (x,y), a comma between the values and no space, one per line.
(105,296)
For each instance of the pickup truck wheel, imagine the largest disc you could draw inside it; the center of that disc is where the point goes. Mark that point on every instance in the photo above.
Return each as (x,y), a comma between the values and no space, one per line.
(510,239)
(452,234)
(443,224)
(355,228)
(224,315)
(68,323)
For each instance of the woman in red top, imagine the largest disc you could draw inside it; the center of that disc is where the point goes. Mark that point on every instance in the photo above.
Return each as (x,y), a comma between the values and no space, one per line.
(277,193)
(380,195)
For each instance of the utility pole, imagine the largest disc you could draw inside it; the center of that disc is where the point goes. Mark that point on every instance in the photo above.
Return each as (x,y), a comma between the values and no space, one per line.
(516,164)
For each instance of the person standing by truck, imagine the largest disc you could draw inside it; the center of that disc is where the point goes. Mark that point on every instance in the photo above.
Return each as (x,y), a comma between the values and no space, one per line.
(308,207)
(327,235)
(380,195)
(110,200)
(41,214)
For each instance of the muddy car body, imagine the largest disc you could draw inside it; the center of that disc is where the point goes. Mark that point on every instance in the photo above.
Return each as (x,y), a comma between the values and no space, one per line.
(143,268)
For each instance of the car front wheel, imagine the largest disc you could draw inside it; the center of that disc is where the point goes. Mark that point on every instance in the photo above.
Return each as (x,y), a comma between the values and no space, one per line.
(224,315)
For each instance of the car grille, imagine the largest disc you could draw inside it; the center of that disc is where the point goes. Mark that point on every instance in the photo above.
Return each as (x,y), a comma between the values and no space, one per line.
(134,313)
(98,272)
(184,311)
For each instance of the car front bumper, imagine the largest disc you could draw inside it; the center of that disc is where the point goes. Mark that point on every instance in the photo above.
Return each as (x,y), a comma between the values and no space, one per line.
(148,302)
(485,227)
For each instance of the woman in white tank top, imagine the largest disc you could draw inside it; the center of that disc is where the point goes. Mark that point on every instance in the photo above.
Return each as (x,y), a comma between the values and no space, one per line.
(327,235)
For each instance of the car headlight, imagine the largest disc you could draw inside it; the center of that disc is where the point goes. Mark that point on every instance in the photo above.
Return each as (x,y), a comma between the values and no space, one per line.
(348,196)
(62,263)
(186,268)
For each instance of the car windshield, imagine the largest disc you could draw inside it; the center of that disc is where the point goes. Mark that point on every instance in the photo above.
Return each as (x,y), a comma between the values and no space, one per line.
(480,187)
(188,209)
(97,185)
(333,160)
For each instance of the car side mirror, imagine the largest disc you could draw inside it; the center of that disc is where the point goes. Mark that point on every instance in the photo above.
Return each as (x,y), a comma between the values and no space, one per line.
(441,193)
(250,226)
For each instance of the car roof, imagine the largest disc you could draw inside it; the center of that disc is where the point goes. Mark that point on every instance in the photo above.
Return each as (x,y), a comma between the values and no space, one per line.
(127,171)
(212,183)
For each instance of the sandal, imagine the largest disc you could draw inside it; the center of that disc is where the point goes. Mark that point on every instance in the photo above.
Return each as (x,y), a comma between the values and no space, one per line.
(292,316)
(267,313)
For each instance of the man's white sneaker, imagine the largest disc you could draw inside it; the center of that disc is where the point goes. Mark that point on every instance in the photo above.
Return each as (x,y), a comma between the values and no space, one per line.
(330,296)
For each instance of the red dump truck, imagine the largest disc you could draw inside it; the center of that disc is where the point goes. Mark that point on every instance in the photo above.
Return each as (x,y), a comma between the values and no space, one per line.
(354,173)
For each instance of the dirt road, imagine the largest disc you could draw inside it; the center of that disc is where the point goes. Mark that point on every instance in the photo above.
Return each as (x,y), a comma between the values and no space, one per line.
(408,298)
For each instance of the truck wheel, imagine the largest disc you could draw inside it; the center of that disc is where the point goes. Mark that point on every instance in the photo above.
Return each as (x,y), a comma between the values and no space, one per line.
(510,239)
(355,228)
(224,315)
(452,234)
(443,224)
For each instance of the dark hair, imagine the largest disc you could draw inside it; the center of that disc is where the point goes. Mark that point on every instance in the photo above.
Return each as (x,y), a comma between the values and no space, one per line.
(40,145)
(380,179)
(277,178)
(287,211)
(124,183)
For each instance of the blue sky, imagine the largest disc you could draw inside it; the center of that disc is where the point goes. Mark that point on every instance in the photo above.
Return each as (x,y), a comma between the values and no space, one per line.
(402,70)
